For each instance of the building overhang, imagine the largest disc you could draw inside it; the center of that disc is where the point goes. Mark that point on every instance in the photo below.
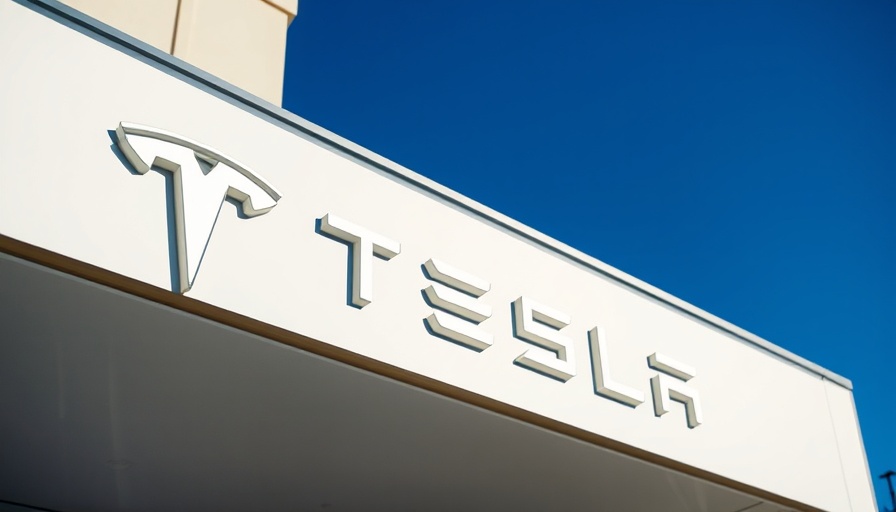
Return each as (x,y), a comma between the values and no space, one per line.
(301,322)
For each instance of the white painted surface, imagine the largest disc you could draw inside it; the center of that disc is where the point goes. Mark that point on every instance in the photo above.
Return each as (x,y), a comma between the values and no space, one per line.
(124,404)
(766,423)
(849,444)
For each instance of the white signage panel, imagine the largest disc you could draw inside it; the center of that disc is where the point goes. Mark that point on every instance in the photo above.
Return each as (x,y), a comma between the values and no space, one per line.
(132,169)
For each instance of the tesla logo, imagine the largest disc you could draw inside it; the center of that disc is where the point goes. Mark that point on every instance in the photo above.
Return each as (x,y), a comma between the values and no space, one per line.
(203,178)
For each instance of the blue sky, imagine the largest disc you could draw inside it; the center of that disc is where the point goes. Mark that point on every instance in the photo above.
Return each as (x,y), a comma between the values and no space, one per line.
(741,156)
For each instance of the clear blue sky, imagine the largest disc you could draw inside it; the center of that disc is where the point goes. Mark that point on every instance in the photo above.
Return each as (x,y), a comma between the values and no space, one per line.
(741,156)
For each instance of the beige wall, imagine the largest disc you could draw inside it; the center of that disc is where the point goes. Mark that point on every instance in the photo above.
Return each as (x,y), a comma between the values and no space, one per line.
(151,21)
(241,41)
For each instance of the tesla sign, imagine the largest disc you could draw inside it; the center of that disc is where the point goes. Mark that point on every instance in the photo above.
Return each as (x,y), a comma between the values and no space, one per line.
(204,177)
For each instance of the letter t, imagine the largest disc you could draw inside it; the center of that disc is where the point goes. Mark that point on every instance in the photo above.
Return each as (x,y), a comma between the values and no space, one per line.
(364,244)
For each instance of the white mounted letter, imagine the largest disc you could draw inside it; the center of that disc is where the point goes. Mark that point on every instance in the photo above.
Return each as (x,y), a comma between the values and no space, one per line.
(604,385)
(665,388)
(203,178)
(540,325)
(364,244)
(466,313)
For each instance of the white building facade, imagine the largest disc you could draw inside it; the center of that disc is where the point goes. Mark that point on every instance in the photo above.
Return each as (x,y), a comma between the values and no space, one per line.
(209,303)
